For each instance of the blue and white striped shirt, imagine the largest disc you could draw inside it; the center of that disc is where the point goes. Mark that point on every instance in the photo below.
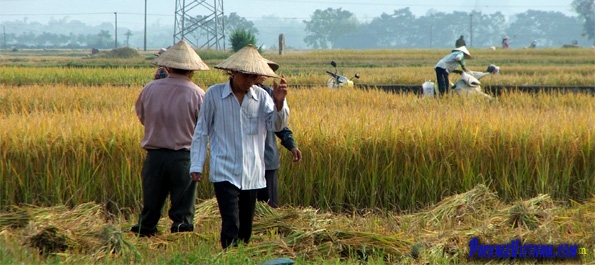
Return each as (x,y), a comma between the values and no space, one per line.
(236,134)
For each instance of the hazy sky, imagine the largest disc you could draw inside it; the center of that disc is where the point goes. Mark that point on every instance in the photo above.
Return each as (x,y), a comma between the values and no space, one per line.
(131,12)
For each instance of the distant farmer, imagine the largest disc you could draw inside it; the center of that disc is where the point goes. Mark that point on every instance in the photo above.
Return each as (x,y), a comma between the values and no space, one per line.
(505,44)
(460,42)
(449,63)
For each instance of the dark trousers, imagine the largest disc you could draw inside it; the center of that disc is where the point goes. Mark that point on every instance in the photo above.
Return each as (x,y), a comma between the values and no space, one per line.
(237,213)
(166,172)
(269,194)
(442,79)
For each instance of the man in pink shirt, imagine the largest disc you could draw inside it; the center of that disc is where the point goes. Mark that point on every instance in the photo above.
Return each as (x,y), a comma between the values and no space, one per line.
(168,108)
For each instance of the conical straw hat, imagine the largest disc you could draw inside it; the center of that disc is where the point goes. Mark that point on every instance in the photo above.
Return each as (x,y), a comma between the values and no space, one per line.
(272,64)
(181,56)
(464,50)
(248,61)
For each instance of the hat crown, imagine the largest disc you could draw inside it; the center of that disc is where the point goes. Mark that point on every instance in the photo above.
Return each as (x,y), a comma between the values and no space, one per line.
(181,56)
(464,50)
(248,61)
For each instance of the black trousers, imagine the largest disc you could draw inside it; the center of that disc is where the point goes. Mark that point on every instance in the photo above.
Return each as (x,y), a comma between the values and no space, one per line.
(166,172)
(269,194)
(237,213)
(442,79)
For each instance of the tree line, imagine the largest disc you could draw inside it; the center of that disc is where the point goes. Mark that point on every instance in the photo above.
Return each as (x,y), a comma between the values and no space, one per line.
(334,28)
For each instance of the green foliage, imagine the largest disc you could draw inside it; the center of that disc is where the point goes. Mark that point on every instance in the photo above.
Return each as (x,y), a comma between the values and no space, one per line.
(586,10)
(240,38)
(234,22)
(327,26)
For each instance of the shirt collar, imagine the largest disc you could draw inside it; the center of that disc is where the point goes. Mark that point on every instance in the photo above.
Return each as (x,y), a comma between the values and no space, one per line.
(227,91)
(174,75)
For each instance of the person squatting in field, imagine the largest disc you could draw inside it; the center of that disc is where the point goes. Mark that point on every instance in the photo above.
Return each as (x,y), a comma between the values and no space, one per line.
(234,120)
(168,109)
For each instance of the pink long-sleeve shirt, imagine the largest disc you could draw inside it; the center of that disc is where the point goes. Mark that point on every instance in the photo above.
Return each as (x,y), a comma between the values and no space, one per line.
(168,108)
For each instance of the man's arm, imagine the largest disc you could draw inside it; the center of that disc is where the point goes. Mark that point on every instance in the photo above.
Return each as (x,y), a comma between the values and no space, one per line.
(286,137)
(198,149)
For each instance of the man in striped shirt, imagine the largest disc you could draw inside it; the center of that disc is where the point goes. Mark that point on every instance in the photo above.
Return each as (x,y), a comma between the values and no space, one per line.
(234,120)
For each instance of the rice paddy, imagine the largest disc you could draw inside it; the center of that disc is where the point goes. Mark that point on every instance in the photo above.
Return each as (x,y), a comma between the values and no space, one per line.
(387,178)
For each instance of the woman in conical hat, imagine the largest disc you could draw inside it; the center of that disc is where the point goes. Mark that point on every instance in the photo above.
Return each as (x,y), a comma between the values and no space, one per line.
(234,120)
(168,109)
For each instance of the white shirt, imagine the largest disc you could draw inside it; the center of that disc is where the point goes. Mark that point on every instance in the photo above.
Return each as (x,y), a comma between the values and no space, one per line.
(236,134)
(451,61)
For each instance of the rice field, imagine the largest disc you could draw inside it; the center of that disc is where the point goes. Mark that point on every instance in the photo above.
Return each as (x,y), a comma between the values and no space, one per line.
(392,167)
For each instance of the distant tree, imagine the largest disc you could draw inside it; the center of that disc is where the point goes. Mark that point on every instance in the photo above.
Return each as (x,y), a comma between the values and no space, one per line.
(27,39)
(488,29)
(47,40)
(586,11)
(102,40)
(391,31)
(327,26)
(551,28)
(234,22)
(240,38)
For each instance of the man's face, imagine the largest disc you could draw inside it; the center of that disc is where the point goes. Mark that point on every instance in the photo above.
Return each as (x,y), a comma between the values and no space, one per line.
(243,81)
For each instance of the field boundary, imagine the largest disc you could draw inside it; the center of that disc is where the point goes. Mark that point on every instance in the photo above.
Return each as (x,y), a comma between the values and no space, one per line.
(494,90)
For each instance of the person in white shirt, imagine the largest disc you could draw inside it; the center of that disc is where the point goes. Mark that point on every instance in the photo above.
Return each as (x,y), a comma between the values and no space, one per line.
(233,121)
(449,63)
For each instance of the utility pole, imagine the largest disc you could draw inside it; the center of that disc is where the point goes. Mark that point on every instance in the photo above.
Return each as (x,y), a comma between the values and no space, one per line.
(145,41)
(431,35)
(470,30)
(4,34)
(116,34)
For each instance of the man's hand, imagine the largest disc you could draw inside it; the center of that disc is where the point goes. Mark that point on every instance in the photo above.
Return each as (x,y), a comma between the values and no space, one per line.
(297,154)
(197,177)
(279,92)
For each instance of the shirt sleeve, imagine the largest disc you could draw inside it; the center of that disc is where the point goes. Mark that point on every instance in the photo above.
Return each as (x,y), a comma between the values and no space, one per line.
(280,118)
(140,111)
(286,136)
(198,149)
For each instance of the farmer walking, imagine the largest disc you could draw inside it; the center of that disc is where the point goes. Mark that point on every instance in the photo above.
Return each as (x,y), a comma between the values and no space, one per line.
(234,120)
